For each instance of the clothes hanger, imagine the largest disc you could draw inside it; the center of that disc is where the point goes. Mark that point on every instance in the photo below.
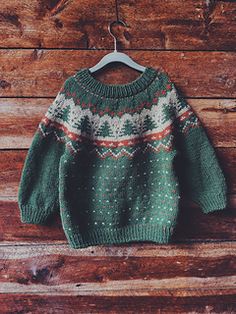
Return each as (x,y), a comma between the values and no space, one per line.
(116,56)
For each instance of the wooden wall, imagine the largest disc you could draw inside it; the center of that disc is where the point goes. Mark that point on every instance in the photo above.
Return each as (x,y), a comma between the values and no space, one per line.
(41,44)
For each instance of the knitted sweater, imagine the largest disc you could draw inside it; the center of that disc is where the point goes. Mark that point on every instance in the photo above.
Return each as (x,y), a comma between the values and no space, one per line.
(113,160)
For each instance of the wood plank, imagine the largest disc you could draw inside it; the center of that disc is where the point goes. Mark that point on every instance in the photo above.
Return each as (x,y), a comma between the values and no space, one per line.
(20,118)
(193,225)
(196,74)
(181,270)
(195,24)
(40,304)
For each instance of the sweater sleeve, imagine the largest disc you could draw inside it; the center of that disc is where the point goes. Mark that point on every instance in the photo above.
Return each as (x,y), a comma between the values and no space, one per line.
(38,191)
(198,165)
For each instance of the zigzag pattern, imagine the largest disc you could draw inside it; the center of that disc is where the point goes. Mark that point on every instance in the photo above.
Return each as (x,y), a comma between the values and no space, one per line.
(130,153)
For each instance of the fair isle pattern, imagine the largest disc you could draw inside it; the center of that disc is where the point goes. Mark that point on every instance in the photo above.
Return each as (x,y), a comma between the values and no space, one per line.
(153,127)
(115,200)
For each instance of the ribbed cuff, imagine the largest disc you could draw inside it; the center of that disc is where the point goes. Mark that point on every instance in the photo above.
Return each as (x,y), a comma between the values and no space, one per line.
(32,215)
(145,232)
(213,202)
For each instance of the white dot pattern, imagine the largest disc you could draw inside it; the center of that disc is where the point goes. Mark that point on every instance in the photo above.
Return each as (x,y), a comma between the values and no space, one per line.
(135,192)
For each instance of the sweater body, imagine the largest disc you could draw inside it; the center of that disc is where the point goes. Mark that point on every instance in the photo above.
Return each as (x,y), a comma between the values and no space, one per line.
(113,160)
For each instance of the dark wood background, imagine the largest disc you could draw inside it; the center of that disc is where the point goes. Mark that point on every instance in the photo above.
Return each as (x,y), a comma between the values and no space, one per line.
(41,44)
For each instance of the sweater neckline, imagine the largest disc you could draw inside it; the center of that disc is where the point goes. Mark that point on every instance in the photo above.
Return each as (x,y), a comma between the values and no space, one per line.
(86,79)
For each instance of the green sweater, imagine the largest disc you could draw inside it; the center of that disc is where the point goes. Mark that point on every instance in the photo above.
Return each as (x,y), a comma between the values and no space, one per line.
(114,159)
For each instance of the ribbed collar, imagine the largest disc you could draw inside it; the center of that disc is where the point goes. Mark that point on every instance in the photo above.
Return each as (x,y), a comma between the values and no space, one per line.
(85,78)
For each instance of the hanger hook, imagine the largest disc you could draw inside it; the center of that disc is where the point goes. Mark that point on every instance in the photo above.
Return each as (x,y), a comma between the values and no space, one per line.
(109,29)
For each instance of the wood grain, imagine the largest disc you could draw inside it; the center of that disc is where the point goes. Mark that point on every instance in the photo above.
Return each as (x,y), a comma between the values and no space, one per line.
(193,24)
(43,43)
(44,304)
(144,270)
(40,73)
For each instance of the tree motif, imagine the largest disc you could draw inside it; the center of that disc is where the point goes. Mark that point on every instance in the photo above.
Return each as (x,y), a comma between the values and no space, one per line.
(85,125)
(64,114)
(105,130)
(128,128)
(148,123)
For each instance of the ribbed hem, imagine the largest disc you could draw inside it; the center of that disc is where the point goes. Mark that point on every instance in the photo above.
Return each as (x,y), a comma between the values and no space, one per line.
(145,232)
(85,78)
(31,215)
(213,202)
